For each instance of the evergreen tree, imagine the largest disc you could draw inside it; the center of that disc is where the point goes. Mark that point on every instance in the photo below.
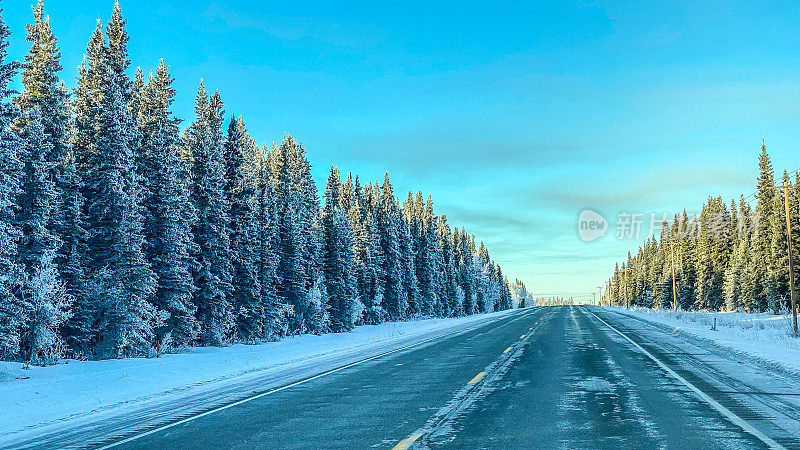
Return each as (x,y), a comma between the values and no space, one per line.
(452,306)
(367,253)
(395,300)
(299,238)
(46,300)
(170,214)
(212,272)
(11,272)
(762,237)
(276,312)
(240,195)
(43,90)
(123,280)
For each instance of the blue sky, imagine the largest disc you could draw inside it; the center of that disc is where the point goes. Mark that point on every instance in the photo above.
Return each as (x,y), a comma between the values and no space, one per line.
(515,116)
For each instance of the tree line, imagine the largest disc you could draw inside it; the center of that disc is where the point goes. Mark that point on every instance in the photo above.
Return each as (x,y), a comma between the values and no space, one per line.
(728,258)
(122,235)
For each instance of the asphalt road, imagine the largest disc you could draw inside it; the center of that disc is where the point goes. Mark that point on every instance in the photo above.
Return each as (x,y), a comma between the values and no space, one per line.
(555,377)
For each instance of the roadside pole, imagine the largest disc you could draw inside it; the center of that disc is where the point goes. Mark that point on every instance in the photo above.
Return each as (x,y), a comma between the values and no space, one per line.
(674,290)
(785,188)
(789,248)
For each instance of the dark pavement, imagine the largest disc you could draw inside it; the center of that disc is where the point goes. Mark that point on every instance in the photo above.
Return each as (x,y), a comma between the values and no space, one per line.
(555,377)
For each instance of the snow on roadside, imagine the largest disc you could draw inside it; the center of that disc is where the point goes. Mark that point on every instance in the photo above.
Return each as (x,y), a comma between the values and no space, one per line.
(763,335)
(44,394)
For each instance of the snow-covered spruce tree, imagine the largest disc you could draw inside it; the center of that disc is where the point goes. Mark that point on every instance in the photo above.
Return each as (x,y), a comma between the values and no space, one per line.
(300,262)
(118,61)
(465,269)
(240,193)
(45,298)
(762,233)
(505,290)
(344,306)
(44,90)
(713,253)
(11,272)
(170,214)
(453,306)
(366,253)
(408,266)
(276,312)
(212,274)
(395,300)
(429,267)
(86,105)
(123,281)
(78,329)
(420,218)
(734,283)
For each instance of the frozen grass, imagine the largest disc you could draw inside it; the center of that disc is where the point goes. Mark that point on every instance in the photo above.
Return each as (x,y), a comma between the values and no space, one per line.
(766,336)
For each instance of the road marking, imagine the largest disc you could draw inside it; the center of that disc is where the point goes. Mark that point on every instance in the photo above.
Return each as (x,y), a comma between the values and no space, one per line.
(406,443)
(522,337)
(469,394)
(303,381)
(477,378)
(507,350)
(702,395)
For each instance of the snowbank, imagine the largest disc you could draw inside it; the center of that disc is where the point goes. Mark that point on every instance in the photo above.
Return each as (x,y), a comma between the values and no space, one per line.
(40,396)
(763,335)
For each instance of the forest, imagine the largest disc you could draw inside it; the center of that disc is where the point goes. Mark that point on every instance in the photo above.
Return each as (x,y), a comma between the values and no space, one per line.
(124,234)
(726,258)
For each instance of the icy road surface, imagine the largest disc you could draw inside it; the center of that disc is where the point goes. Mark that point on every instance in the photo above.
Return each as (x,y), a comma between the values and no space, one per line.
(555,377)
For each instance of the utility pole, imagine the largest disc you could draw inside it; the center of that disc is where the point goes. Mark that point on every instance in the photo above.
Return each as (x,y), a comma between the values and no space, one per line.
(627,302)
(785,187)
(674,290)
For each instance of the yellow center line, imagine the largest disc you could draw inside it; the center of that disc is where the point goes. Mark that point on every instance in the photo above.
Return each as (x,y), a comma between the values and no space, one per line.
(507,350)
(406,443)
(477,378)
(523,336)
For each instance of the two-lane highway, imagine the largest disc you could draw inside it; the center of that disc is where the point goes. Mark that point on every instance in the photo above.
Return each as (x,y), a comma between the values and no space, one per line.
(555,377)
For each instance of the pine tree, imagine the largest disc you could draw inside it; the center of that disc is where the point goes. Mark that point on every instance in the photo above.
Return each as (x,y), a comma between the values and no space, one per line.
(241,197)
(87,107)
(395,300)
(11,272)
(276,312)
(43,90)
(46,300)
(78,329)
(408,267)
(367,252)
(452,306)
(211,231)
(713,253)
(123,280)
(762,239)
(170,214)
(344,305)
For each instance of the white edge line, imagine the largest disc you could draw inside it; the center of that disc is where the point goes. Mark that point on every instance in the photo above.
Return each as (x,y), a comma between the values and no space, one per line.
(278,389)
(702,395)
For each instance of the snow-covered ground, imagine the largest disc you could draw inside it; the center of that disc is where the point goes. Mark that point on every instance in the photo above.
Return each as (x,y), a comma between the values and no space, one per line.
(45,397)
(764,336)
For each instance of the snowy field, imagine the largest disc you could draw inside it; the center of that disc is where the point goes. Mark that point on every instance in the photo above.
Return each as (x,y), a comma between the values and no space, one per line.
(764,336)
(45,397)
